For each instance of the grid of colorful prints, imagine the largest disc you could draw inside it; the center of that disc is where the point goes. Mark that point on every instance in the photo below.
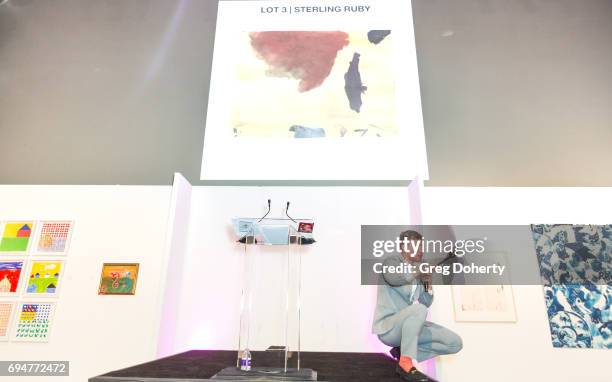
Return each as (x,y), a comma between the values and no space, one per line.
(16,236)
(44,278)
(11,276)
(33,321)
(6,315)
(30,321)
(54,237)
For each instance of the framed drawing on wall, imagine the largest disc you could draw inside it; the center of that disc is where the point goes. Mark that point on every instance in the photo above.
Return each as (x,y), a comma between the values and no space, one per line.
(118,279)
(485,303)
(44,278)
(16,236)
(6,315)
(53,237)
(33,321)
(11,273)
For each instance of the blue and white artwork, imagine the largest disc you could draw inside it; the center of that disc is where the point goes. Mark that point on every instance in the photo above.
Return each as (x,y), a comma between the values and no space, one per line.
(575,266)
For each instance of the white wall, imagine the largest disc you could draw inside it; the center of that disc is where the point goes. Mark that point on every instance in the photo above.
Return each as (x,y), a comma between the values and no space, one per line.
(336,309)
(521,350)
(95,333)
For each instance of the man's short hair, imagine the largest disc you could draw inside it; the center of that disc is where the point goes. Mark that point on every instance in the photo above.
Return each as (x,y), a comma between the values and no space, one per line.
(411,236)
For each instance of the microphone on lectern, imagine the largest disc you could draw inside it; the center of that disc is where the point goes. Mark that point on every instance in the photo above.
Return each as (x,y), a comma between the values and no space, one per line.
(269,207)
(287,213)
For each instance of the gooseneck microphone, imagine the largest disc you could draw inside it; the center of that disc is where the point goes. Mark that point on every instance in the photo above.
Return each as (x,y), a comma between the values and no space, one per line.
(269,207)
(287,213)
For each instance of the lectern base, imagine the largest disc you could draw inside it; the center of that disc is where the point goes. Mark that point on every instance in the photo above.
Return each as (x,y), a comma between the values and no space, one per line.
(266,374)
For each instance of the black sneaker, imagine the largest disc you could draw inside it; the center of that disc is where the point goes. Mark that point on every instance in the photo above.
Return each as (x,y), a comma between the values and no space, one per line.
(413,375)
(395,353)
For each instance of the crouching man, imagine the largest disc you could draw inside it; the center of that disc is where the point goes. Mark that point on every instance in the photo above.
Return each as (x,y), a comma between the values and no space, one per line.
(400,316)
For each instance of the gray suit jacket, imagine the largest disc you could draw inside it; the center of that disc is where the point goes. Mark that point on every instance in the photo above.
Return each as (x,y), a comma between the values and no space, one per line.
(395,292)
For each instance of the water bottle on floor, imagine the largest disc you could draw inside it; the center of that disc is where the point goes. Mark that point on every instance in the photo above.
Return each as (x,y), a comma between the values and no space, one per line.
(245,360)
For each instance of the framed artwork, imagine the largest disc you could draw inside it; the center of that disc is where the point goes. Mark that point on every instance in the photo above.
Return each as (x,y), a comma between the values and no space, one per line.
(53,237)
(16,236)
(44,278)
(118,279)
(577,305)
(11,273)
(483,303)
(6,315)
(33,321)
(474,302)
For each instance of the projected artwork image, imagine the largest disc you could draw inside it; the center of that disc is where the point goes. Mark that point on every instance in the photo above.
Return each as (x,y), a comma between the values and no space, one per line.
(34,322)
(54,237)
(16,236)
(576,267)
(44,277)
(6,312)
(10,274)
(118,279)
(314,84)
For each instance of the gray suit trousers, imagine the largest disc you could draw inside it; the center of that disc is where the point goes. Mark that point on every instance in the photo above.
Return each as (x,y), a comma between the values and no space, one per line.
(418,338)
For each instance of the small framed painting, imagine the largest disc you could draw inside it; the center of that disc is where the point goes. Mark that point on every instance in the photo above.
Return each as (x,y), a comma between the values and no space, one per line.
(44,278)
(118,279)
(16,236)
(33,322)
(11,273)
(6,314)
(53,237)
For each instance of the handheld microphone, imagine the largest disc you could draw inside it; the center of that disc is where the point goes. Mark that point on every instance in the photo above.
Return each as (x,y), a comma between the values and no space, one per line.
(449,256)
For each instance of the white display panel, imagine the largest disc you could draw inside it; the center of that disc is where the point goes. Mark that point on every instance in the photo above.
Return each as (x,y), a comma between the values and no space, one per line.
(390,119)
(336,309)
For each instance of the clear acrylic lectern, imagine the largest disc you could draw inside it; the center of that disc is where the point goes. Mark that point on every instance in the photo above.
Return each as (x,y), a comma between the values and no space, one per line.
(270,304)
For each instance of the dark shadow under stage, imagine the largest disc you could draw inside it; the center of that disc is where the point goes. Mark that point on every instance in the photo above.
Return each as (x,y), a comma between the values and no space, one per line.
(201,365)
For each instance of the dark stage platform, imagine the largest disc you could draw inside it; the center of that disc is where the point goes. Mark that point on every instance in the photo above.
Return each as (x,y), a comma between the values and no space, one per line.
(201,365)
